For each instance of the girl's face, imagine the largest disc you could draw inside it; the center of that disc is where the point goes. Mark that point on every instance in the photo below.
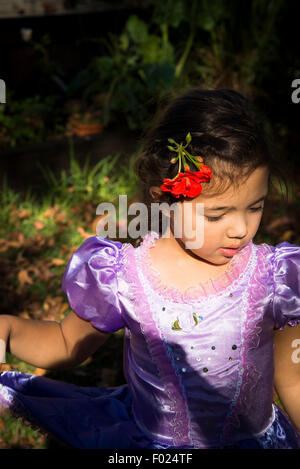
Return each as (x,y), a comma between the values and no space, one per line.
(229,220)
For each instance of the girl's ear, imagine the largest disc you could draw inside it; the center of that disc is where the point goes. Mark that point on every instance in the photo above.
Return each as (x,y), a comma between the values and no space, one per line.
(155,193)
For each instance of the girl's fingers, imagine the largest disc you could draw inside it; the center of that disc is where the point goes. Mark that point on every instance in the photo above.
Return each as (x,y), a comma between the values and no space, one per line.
(2,352)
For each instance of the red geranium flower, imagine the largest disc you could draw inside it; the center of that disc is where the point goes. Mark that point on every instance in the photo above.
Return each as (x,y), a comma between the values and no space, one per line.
(187,184)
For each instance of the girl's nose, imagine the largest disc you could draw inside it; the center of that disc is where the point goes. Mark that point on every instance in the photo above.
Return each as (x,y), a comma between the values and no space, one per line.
(239,229)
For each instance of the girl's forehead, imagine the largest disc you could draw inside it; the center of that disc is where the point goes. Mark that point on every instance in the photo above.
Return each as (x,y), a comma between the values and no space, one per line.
(227,195)
(255,186)
(229,201)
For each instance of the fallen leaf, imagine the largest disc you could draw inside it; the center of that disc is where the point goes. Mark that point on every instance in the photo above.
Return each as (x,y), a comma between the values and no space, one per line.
(63,307)
(50,212)
(5,367)
(84,233)
(23,278)
(38,225)
(13,244)
(58,261)
(23,214)
(39,372)
(60,217)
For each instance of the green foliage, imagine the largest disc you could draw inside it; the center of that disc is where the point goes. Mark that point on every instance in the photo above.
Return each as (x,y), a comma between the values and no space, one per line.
(16,434)
(82,184)
(42,49)
(238,46)
(139,69)
(204,43)
(27,121)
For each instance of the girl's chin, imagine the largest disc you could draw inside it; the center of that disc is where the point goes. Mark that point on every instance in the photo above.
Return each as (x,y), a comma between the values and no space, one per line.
(217,260)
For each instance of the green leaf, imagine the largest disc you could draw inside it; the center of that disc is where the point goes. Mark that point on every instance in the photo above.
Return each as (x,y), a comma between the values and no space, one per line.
(137,29)
(154,50)
(188,138)
(151,50)
(124,42)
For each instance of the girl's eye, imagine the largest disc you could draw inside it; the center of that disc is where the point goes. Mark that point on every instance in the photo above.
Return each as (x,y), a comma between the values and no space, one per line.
(254,209)
(214,218)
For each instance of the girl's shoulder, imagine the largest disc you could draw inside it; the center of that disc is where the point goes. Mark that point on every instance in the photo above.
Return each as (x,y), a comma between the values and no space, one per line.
(101,252)
(92,284)
(281,252)
(283,261)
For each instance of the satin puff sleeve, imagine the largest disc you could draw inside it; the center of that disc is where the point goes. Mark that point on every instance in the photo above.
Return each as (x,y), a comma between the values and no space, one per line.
(286,271)
(90,282)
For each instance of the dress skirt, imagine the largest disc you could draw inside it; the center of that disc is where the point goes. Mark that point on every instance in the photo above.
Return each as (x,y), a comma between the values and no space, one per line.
(102,418)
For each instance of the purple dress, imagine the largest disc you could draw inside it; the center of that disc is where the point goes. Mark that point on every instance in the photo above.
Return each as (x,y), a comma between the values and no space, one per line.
(198,364)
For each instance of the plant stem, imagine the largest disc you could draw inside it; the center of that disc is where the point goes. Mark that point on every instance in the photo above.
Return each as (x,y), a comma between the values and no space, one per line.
(180,65)
(164,30)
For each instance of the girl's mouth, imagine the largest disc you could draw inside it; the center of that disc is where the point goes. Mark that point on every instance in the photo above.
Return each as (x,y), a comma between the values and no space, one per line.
(229,251)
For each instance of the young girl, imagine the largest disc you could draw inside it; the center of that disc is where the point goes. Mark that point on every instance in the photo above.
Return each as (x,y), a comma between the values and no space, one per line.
(199,321)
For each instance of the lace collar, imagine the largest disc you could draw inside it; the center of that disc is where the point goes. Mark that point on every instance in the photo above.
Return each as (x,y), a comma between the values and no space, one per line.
(223,283)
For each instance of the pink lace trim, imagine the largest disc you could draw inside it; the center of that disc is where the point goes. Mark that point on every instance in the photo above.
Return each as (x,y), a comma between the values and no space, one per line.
(229,278)
(248,374)
(176,401)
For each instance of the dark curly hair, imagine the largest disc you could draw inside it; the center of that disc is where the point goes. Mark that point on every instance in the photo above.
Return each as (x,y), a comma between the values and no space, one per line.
(226,131)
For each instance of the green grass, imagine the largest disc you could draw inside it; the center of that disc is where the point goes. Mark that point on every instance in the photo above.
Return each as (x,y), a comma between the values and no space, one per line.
(39,238)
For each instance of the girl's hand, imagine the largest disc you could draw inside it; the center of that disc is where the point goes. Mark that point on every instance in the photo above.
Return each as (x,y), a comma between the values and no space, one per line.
(4,336)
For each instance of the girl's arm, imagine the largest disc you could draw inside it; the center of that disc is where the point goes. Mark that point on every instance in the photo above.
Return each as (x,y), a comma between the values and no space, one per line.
(287,371)
(49,344)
